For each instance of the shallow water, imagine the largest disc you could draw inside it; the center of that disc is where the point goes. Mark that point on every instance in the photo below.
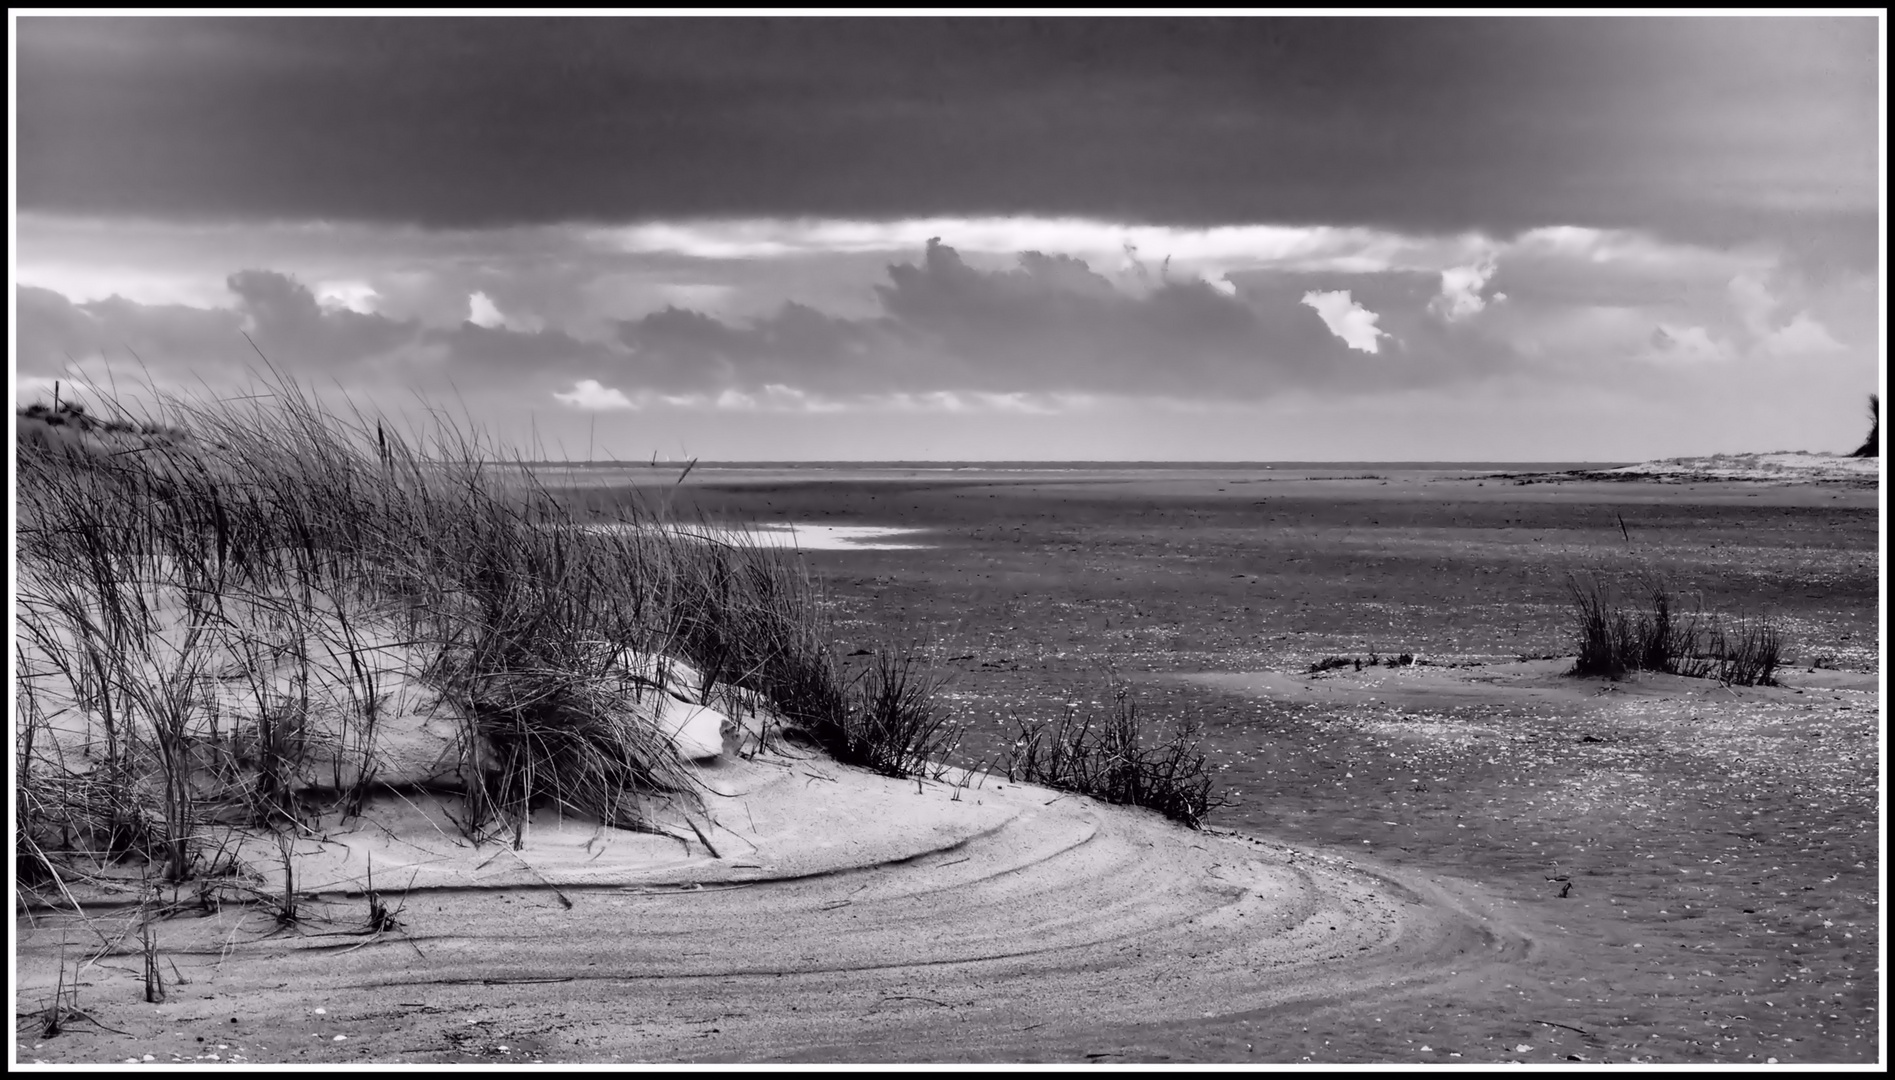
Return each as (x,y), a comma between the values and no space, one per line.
(824,537)
(802,537)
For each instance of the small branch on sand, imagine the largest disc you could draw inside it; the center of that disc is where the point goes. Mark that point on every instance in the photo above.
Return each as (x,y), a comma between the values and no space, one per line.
(913,997)
(1568,1027)
(564,900)
(701,838)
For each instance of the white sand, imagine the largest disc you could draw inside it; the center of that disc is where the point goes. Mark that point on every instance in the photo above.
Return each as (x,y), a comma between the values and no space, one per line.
(1798,467)
(845,916)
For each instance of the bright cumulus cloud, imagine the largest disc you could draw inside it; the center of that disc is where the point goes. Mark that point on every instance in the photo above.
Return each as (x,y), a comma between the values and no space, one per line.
(592,395)
(1346,319)
(482,312)
(1461,290)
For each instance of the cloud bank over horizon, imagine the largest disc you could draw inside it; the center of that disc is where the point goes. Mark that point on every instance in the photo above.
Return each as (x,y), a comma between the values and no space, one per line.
(1025,334)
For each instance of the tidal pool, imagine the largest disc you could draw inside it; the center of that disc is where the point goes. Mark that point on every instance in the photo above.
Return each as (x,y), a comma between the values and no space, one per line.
(800,537)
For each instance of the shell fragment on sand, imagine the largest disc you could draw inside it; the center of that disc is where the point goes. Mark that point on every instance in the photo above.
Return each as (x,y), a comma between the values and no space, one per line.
(696,730)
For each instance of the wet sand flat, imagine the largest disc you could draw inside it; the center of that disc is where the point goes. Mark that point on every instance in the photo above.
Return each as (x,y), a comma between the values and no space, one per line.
(1756,808)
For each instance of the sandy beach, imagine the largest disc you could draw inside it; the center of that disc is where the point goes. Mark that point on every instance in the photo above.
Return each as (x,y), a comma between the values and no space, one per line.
(1470,857)
(863,919)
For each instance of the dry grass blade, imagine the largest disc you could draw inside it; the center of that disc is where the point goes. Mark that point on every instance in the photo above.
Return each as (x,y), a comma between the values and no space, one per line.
(148,950)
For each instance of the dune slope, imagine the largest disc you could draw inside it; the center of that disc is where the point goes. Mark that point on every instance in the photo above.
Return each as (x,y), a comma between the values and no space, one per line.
(847,917)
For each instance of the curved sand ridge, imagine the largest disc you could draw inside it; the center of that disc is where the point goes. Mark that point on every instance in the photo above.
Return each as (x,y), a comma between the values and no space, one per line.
(853,917)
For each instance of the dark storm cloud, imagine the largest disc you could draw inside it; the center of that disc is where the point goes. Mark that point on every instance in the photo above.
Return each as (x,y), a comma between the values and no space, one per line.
(682,350)
(53,331)
(1720,129)
(180,344)
(187,348)
(959,333)
(284,313)
(1049,325)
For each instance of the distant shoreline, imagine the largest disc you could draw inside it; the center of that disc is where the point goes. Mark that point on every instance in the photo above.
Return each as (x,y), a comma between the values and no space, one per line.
(1079,466)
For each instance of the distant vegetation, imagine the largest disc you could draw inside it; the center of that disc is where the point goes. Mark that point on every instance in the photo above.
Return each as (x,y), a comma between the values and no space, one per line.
(1872,446)
(220,616)
(1654,633)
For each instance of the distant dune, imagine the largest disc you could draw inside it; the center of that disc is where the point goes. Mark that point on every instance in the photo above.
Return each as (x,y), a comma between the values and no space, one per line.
(1783,467)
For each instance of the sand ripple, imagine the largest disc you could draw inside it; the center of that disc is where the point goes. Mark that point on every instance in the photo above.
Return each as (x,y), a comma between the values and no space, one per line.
(1032,927)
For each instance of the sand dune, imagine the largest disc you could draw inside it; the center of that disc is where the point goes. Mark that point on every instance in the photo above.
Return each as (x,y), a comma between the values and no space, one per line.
(1800,467)
(850,916)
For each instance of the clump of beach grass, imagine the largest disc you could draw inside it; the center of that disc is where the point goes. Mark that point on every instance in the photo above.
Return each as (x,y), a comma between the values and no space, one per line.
(1747,654)
(223,602)
(1616,639)
(1119,757)
(893,721)
(1616,636)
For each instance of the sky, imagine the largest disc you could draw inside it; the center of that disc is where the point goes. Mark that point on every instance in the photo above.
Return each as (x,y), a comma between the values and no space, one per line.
(814,238)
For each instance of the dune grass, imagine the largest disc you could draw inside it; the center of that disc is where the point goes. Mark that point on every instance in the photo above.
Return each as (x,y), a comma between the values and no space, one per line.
(1652,632)
(1615,639)
(221,607)
(895,723)
(1747,654)
(1119,756)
